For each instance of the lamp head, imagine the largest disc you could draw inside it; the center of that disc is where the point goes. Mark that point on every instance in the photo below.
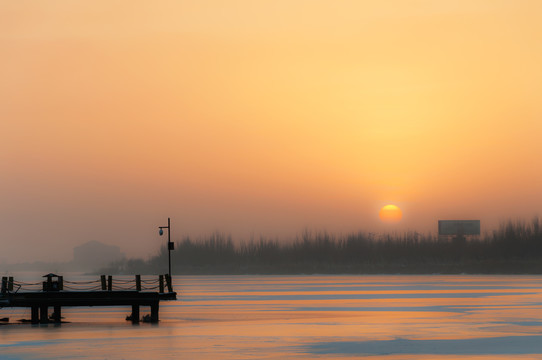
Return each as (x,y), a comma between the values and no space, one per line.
(161,232)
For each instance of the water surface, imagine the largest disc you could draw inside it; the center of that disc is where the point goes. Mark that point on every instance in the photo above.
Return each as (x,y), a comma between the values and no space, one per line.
(271,317)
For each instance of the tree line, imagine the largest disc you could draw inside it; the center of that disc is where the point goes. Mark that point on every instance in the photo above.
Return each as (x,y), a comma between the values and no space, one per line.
(515,247)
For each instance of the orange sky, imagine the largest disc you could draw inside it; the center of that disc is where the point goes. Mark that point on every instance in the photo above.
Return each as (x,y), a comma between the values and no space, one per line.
(263,117)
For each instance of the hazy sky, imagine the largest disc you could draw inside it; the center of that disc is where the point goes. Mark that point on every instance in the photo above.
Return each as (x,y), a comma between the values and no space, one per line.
(262,117)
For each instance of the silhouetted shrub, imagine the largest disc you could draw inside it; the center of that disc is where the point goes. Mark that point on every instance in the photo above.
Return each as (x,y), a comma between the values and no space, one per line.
(515,246)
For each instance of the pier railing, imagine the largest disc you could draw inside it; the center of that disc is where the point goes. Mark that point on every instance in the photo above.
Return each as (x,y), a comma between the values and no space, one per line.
(105,283)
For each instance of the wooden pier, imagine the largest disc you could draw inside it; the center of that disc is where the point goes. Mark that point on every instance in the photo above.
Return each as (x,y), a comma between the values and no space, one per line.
(56,293)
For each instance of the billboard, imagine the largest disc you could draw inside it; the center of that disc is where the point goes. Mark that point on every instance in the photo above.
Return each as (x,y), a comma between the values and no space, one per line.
(459,227)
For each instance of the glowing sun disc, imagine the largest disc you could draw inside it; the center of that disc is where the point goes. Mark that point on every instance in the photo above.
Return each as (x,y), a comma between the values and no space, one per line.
(390,214)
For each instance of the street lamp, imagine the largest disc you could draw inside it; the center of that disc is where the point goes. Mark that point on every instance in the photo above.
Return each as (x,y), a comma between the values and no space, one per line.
(170,245)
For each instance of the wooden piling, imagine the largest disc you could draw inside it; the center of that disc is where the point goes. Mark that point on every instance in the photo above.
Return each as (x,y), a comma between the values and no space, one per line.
(10,283)
(61,283)
(109,283)
(104,286)
(4,284)
(44,317)
(138,282)
(35,317)
(154,312)
(135,313)
(161,283)
(57,314)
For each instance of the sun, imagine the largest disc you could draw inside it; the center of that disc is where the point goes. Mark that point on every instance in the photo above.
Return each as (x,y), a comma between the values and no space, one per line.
(390,214)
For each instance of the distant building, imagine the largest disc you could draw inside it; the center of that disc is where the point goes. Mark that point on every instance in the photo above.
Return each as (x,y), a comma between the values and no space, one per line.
(93,255)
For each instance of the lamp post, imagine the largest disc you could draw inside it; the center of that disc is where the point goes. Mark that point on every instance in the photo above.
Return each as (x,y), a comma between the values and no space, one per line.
(170,245)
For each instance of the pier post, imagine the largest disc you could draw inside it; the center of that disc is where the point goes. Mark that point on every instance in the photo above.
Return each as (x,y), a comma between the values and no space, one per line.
(4,284)
(10,283)
(168,283)
(61,283)
(57,314)
(154,312)
(138,282)
(44,319)
(161,283)
(135,313)
(35,315)
(109,283)
(104,286)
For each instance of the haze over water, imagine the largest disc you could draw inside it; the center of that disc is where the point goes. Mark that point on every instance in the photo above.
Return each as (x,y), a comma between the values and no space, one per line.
(262,117)
(258,317)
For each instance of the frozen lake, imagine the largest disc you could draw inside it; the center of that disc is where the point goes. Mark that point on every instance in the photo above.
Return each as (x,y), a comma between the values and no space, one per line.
(277,317)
